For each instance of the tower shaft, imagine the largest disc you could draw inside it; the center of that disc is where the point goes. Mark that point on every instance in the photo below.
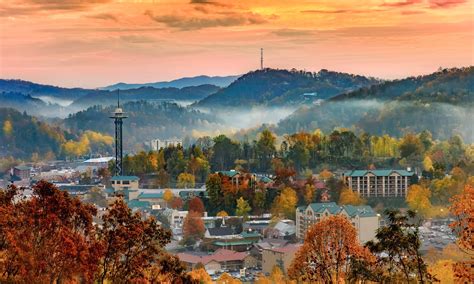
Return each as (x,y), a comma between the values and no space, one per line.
(261,58)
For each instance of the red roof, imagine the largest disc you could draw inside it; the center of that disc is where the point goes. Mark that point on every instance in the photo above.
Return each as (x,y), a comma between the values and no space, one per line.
(219,255)
(291,248)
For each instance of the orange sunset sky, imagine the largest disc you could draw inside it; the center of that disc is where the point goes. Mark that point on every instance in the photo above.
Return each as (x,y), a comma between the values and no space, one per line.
(93,43)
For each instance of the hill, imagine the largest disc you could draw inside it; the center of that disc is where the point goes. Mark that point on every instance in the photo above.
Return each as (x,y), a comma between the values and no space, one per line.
(38,90)
(440,102)
(145,121)
(179,83)
(270,87)
(188,94)
(21,135)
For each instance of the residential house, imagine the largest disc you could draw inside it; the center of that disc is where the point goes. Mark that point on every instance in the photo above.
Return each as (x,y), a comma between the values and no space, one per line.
(220,260)
(279,256)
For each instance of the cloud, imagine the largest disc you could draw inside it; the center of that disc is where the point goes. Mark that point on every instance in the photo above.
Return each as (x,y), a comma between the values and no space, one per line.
(326,11)
(401,3)
(137,39)
(293,33)
(227,19)
(209,2)
(446,3)
(104,16)
(28,7)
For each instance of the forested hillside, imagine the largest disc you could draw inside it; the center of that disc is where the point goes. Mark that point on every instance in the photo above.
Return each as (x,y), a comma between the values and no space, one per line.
(270,87)
(145,121)
(441,103)
(179,83)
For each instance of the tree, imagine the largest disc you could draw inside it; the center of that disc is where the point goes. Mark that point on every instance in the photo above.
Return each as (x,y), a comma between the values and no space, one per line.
(200,275)
(7,128)
(325,175)
(222,213)
(243,208)
(265,149)
(47,238)
(196,205)
(285,203)
(168,196)
(463,209)
(427,164)
(214,191)
(327,251)
(225,278)
(410,146)
(309,191)
(193,228)
(96,196)
(397,249)
(418,199)
(131,245)
(349,197)
(177,203)
(186,180)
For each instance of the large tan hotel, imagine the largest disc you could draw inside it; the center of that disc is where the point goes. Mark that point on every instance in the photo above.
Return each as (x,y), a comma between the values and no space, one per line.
(379,183)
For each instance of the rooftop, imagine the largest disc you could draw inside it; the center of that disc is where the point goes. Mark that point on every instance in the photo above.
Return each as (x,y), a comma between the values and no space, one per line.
(144,195)
(219,255)
(379,173)
(130,178)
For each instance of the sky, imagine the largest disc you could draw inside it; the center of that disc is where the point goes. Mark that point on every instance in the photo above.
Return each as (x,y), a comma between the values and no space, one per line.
(94,43)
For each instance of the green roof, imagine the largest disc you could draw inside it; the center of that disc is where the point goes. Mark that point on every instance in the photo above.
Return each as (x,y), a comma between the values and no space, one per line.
(138,204)
(229,173)
(362,211)
(233,243)
(332,207)
(109,190)
(150,195)
(379,173)
(23,168)
(252,234)
(131,178)
(265,179)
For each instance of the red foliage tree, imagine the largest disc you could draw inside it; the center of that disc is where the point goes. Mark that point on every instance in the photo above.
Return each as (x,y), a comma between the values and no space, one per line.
(196,205)
(47,238)
(177,203)
(193,228)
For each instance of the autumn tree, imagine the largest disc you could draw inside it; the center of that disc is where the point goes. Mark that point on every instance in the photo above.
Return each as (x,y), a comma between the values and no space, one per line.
(327,251)
(96,196)
(196,205)
(350,197)
(418,199)
(243,208)
(325,175)
(186,180)
(131,245)
(265,149)
(193,228)
(309,193)
(177,203)
(200,275)
(463,209)
(49,237)
(285,203)
(225,278)
(214,190)
(168,196)
(222,213)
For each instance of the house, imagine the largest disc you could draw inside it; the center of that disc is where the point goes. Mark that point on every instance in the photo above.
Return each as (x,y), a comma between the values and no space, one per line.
(257,250)
(284,229)
(220,233)
(220,260)
(379,183)
(20,176)
(120,183)
(280,256)
(225,237)
(153,198)
(157,144)
(363,218)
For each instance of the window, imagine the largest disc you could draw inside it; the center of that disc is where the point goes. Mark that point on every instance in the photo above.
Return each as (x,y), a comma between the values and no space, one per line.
(126,182)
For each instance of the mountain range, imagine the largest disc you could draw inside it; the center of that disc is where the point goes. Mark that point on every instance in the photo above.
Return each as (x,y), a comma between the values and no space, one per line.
(220,81)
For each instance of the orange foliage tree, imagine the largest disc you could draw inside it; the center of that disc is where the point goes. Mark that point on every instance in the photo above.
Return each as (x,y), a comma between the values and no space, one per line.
(463,209)
(196,205)
(47,238)
(328,246)
(193,228)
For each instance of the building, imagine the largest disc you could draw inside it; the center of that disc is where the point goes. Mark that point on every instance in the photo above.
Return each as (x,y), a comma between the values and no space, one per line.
(220,260)
(379,183)
(363,218)
(157,144)
(279,256)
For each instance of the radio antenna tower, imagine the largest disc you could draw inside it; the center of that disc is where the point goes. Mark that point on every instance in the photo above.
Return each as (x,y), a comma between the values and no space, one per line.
(261,58)
(118,117)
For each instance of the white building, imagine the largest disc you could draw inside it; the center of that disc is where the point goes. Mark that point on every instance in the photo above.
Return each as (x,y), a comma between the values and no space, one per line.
(378,183)
(157,144)
(363,218)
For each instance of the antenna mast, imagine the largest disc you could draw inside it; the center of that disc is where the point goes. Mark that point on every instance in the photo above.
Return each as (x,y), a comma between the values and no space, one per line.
(261,58)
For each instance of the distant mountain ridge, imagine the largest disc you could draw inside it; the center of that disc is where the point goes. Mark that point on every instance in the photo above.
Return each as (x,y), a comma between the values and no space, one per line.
(270,87)
(34,89)
(220,81)
(440,102)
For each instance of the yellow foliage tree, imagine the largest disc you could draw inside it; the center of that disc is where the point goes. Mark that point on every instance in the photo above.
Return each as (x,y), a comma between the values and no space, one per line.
(427,163)
(285,203)
(349,197)
(443,270)
(7,128)
(243,208)
(200,275)
(186,180)
(222,214)
(227,279)
(168,195)
(309,193)
(418,199)
(325,174)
